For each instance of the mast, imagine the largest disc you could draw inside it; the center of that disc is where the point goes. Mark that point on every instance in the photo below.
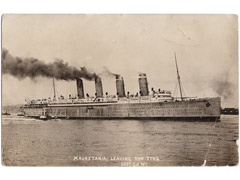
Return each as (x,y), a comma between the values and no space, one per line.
(178,77)
(54,91)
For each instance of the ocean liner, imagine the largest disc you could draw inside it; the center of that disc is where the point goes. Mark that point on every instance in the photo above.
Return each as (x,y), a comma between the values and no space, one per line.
(159,105)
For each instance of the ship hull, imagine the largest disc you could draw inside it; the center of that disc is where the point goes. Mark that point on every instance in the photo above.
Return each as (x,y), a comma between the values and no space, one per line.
(201,109)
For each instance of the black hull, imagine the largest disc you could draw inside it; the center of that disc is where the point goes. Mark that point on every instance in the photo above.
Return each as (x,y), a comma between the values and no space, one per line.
(199,110)
(204,119)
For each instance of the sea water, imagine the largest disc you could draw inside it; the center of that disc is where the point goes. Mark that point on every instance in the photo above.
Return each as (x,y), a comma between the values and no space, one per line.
(31,142)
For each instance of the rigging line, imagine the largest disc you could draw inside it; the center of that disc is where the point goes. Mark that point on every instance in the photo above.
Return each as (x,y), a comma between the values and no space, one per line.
(210,144)
(183,91)
(175,89)
(57,94)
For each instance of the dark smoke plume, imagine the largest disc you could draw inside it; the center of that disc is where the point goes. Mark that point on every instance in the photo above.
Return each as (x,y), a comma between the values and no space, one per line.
(32,68)
(4,53)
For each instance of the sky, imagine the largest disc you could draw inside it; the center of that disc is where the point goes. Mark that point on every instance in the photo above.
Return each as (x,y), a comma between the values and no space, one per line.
(206,47)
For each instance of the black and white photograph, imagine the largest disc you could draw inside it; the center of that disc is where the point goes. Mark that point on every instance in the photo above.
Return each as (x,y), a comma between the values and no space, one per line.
(125,90)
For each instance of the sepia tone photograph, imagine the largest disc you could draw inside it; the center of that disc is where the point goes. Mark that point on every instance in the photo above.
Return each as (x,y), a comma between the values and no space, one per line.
(119,90)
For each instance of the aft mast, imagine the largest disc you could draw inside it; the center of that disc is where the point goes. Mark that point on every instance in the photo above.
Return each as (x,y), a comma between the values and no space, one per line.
(178,77)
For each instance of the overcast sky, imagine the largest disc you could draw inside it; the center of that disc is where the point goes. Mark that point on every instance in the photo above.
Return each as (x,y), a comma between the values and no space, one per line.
(206,47)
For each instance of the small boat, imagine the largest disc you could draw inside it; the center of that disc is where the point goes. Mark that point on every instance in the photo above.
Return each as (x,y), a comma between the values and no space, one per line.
(20,114)
(6,113)
(43,117)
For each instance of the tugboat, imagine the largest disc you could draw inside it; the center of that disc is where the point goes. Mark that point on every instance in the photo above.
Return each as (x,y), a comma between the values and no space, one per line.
(20,114)
(44,115)
(6,113)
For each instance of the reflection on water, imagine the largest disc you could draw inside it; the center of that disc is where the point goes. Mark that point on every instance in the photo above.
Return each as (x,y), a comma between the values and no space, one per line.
(30,142)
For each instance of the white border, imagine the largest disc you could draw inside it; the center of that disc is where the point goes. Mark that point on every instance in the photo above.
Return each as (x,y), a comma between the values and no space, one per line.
(120,7)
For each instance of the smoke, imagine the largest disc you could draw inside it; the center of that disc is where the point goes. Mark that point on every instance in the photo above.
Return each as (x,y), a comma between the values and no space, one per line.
(32,68)
(106,72)
(223,88)
(4,53)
